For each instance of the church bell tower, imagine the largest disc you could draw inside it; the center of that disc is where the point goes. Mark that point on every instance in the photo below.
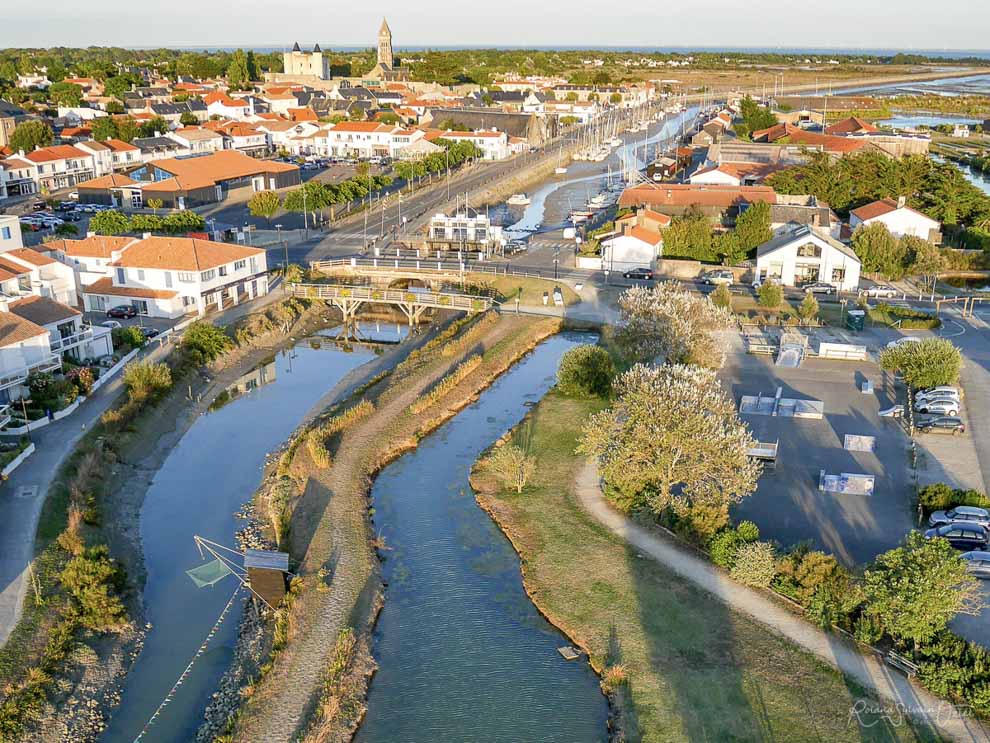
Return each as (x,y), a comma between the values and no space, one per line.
(385,45)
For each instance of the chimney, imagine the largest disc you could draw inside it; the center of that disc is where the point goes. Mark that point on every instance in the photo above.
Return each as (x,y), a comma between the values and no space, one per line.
(901,201)
(158,134)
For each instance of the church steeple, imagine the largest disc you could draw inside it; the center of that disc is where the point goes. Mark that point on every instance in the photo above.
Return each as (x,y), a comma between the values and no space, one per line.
(385,45)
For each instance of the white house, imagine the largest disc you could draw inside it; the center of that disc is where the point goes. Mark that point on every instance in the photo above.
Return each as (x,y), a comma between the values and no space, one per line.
(731,174)
(123,154)
(361,139)
(171,276)
(197,140)
(222,105)
(898,218)
(60,166)
(102,155)
(280,133)
(494,144)
(803,254)
(26,272)
(638,247)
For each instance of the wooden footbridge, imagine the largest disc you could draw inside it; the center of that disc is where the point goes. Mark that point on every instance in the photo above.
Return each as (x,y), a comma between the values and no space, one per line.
(413,302)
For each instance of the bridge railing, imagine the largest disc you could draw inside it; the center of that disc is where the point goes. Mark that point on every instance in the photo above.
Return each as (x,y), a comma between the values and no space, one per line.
(441,300)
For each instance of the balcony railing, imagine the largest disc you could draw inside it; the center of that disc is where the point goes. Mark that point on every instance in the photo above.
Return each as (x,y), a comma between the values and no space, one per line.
(59,344)
(19,376)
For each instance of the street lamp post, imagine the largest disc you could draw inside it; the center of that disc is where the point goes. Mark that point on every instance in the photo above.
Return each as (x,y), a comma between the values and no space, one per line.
(285,245)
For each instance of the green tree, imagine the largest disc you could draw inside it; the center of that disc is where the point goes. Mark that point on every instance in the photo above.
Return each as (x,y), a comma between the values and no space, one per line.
(586,370)
(118,86)
(511,465)
(31,134)
(927,260)
(927,363)
(726,245)
(252,66)
(689,236)
(110,222)
(915,589)
(65,94)
(154,204)
(808,309)
(188,118)
(673,440)
(879,251)
(264,204)
(127,129)
(66,229)
(722,297)
(104,128)
(154,126)
(238,77)
(91,578)
(770,295)
(206,339)
(753,226)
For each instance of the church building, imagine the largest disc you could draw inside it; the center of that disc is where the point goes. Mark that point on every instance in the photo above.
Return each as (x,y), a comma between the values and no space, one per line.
(385,68)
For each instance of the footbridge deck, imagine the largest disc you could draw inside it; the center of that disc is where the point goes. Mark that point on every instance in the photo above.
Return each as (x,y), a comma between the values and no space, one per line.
(413,303)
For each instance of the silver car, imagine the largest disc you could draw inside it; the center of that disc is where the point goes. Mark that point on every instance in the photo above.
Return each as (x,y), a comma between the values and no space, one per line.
(967,514)
(880,290)
(929,392)
(930,396)
(977,563)
(944,406)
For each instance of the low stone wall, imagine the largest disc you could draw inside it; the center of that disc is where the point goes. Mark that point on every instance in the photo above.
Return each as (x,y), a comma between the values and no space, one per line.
(17,461)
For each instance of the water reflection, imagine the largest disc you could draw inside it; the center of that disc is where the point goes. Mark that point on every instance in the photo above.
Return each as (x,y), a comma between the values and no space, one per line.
(206,477)
(263,374)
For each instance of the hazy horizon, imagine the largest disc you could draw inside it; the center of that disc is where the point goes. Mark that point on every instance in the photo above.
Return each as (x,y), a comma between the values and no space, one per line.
(726,25)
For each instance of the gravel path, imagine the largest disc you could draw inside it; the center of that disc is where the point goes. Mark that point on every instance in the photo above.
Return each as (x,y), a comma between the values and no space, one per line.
(888,683)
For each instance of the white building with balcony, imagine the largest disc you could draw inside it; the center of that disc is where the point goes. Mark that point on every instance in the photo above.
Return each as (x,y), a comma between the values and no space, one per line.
(494,144)
(166,276)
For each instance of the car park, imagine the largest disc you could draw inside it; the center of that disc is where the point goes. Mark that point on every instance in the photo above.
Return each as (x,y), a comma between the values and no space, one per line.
(644,274)
(819,287)
(943,406)
(962,536)
(961,514)
(881,291)
(940,424)
(977,563)
(718,277)
(122,310)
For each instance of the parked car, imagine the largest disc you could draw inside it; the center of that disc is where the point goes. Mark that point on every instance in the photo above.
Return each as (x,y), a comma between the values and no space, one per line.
(74,195)
(39,206)
(881,291)
(959,514)
(71,217)
(931,397)
(819,287)
(941,424)
(112,324)
(906,339)
(929,391)
(122,310)
(977,563)
(718,277)
(150,332)
(644,274)
(940,406)
(962,536)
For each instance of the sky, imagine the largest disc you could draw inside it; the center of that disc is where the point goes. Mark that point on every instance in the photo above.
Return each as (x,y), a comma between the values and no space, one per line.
(883,24)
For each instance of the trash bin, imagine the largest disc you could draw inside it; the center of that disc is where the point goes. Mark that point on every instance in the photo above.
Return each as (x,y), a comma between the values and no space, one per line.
(855,319)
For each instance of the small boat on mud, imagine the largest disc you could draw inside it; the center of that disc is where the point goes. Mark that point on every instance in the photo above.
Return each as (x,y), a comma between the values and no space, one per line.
(518,199)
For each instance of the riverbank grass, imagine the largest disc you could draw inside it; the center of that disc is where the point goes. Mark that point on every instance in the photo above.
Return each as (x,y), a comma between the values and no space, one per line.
(529,289)
(678,663)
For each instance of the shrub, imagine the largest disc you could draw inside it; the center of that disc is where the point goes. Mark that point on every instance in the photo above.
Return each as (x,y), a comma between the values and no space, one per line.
(748,531)
(723,547)
(206,339)
(145,379)
(755,564)
(928,363)
(801,573)
(586,370)
(613,677)
(83,378)
(939,496)
(131,336)
(722,297)
(92,578)
(446,384)
(904,317)
(771,295)
(808,309)
(867,629)
(318,449)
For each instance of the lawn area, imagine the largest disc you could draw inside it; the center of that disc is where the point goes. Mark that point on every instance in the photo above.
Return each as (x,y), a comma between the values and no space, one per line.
(694,669)
(530,290)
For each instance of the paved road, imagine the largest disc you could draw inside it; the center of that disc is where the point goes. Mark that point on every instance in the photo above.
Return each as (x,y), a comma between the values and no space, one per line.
(22,496)
(842,654)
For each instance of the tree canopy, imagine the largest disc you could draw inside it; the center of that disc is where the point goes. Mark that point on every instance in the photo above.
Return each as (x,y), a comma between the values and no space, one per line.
(31,134)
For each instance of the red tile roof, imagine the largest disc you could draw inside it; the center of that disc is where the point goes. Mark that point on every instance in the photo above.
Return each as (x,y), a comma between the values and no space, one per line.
(683,195)
(114,180)
(15,329)
(182,254)
(42,310)
(97,246)
(105,286)
(852,125)
(55,152)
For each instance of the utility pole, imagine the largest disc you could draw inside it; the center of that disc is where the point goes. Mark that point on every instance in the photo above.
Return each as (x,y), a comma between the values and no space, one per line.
(285,246)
